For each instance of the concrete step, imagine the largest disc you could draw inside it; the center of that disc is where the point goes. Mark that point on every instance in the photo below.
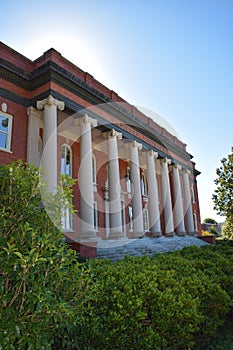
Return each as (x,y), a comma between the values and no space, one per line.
(117,249)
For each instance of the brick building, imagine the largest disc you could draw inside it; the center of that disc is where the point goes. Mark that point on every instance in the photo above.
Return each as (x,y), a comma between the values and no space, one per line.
(134,177)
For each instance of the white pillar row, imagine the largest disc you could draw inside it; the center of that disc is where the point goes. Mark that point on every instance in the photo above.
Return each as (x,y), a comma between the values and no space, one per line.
(33,136)
(49,157)
(154,214)
(86,179)
(138,229)
(114,185)
(178,205)
(166,193)
(188,203)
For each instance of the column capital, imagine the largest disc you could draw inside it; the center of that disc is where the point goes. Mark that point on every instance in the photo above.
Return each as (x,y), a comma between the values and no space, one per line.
(186,171)
(177,166)
(85,119)
(112,133)
(33,111)
(152,153)
(165,160)
(134,144)
(50,100)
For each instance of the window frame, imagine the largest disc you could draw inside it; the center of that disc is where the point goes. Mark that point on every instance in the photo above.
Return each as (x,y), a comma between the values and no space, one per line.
(96,215)
(146,225)
(8,133)
(67,147)
(144,188)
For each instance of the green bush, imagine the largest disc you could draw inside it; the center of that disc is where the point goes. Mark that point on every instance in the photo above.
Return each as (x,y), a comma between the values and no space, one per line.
(36,311)
(49,300)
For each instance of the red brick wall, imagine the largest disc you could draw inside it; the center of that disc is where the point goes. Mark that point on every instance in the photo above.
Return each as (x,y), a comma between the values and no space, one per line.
(19,133)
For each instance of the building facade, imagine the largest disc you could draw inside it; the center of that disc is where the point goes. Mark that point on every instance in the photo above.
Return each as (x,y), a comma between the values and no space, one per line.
(133,176)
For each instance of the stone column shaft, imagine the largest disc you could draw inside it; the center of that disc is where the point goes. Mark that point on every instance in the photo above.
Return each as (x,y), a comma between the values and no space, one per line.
(49,158)
(178,206)
(154,214)
(138,229)
(86,179)
(167,202)
(114,185)
(33,136)
(188,203)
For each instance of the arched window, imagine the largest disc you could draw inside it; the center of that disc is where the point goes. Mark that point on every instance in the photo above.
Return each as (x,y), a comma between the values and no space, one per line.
(127,179)
(94,177)
(144,185)
(66,160)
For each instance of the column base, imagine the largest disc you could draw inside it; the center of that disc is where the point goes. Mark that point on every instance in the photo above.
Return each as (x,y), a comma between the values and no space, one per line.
(135,235)
(169,234)
(181,234)
(191,233)
(116,235)
(88,236)
(156,234)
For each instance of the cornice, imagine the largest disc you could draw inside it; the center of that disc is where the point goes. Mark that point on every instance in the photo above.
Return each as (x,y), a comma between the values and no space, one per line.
(51,71)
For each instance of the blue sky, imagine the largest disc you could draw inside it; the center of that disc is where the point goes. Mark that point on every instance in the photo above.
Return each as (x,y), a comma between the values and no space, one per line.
(174,57)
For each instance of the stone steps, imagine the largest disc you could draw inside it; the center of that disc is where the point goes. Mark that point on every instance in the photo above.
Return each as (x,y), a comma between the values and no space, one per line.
(117,249)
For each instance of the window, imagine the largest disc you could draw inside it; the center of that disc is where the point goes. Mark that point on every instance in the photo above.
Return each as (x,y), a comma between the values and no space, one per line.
(130,213)
(193,195)
(95,207)
(66,169)
(195,221)
(146,220)
(94,169)
(66,160)
(5,131)
(66,219)
(40,150)
(127,179)
(144,185)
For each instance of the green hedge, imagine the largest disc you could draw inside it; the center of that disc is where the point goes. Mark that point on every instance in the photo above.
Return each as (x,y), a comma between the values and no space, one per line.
(48,300)
(165,302)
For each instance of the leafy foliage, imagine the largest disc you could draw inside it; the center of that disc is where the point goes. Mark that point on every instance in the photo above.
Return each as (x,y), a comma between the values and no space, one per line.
(35,308)
(223,197)
(227,229)
(50,301)
(209,221)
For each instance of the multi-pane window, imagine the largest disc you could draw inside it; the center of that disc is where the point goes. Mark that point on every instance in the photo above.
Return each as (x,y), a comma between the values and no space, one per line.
(192,195)
(66,160)
(130,213)
(144,184)
(146,219)
(94,169)
(5,131)
(66,169)
(95,208)
(127,179)
(195,221)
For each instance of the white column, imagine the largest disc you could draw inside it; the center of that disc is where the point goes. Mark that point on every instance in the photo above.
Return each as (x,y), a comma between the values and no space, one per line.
(138,229)
(33,136)
(49,158)
(114,185)
(178,206)
(188,203)
(167,202)
(86,179)
(154,214)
